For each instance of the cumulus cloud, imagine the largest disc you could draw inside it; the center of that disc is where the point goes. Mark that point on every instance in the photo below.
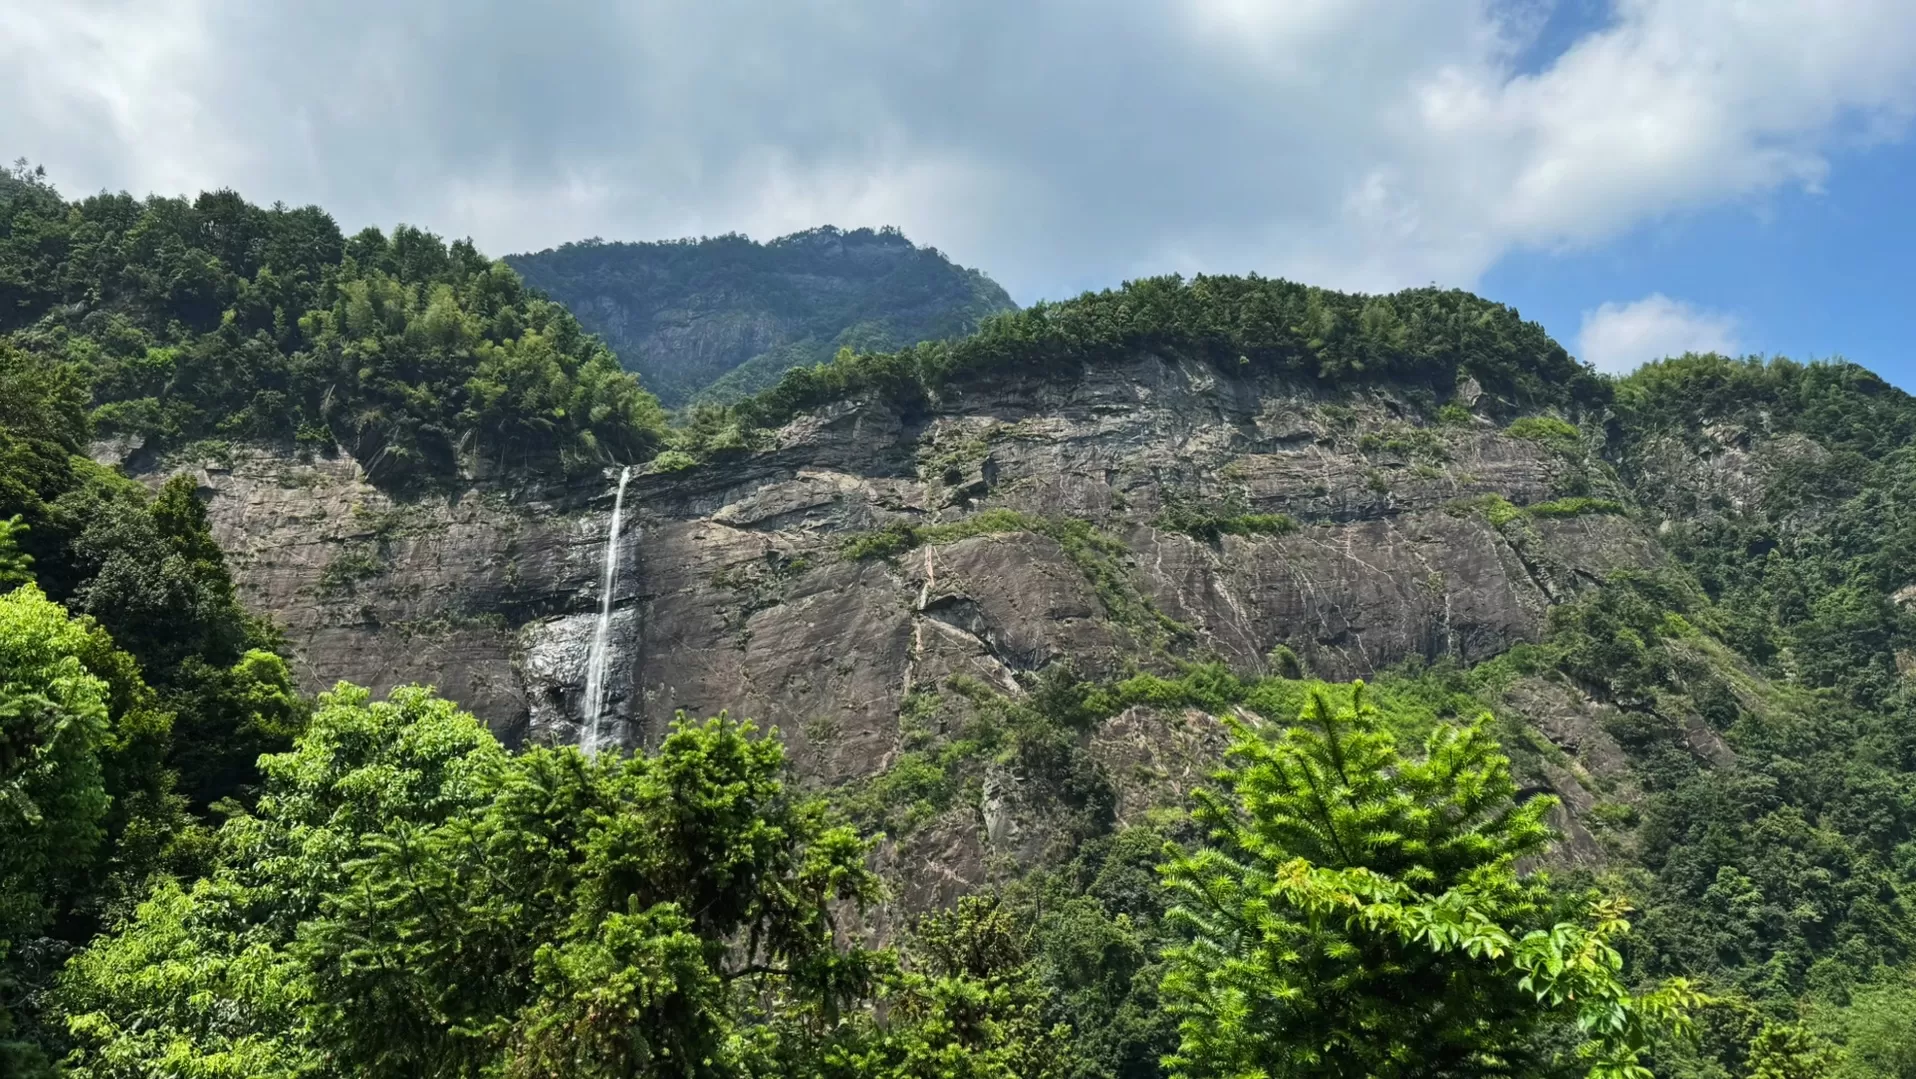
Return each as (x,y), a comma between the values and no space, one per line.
(1060,145)
(1619,337)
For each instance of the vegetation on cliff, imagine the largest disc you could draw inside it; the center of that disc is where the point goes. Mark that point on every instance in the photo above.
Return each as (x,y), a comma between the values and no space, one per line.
(721,318)
(1431,337)
(203,874)
(409,899)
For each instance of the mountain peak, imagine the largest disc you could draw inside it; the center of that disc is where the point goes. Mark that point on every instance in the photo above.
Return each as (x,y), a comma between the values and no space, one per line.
(720,317)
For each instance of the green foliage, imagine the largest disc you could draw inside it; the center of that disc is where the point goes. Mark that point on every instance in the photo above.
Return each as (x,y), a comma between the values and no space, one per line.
(1495,508)
(1548,431)
(409,899)
(1101,926)
(967,1005)
(672,461)
(1212,521)
(1874,1029)
(214,318)
(150,572)
(1286,663)
(190,686)
(1097,555)
(1790,1052)
(1345,887)
(1845,407)
(1786,874)
(952,737)
(1805,571)
(1429,336)
(760,309)
(1499,511)
(53,728)
(16,566)
(902,536)
(1406,441)
(349,566)
(1573,507)
(86,805)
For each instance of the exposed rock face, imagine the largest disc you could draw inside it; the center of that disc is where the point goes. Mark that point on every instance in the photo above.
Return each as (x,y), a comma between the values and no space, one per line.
(734,591)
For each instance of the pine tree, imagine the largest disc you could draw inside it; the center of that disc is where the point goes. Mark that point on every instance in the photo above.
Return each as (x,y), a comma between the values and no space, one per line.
(1359,913)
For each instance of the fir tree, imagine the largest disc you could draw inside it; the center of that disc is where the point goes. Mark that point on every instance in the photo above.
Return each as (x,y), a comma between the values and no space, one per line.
(1360,913)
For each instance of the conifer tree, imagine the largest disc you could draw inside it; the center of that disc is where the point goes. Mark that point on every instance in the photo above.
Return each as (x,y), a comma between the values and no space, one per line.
(1359,913)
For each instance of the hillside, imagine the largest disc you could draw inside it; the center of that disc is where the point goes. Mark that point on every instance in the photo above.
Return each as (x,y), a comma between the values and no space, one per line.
(217,319)
(1008,602)
(722,318)
(1122,549)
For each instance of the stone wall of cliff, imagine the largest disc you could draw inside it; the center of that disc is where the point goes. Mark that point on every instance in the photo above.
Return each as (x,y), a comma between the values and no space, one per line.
(1053,519)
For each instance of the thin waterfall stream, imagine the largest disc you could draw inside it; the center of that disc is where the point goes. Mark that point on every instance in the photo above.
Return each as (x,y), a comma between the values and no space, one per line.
(591,723)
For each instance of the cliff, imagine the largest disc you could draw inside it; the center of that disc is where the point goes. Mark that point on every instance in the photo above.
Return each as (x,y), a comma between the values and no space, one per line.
(1129,517)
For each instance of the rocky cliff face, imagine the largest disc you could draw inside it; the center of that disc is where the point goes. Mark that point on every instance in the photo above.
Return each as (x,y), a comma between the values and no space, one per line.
(1111,521)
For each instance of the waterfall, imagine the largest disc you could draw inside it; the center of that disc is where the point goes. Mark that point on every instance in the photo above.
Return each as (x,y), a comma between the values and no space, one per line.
(591,733)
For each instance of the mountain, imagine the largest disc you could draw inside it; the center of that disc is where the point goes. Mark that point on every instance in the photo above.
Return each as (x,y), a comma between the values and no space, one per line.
(718,319)
(1131,516)
(1008,601)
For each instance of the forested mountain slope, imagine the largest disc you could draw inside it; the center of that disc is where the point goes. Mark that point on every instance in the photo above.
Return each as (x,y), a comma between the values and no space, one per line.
(217,319)
(1008,602)
(722,318)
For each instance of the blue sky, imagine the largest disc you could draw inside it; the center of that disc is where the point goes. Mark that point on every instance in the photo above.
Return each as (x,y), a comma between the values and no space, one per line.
(1802,275)
(1641,176)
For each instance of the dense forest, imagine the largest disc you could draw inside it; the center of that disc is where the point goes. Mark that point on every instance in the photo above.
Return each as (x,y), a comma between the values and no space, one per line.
(1428,337)
(205,873)
(217,319)
(717,319)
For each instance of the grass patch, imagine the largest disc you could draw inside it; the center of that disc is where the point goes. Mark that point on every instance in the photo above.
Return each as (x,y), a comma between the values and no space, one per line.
(670,461)
(1548,431)
(901,536)
(1573,507)
(445,625)
(1499,511)
(949,459)
(349,567)
(1405,441)
(1211,522)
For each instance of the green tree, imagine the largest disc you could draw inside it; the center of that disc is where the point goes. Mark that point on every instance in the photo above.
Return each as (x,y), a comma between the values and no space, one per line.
(1358,913)
(214,318)
(411,900)
(53,723)
(1788,1051)
(16,566)
(53,795)
(967,1004)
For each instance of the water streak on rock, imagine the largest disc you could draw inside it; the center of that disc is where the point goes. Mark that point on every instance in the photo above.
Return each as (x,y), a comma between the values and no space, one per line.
(591,722)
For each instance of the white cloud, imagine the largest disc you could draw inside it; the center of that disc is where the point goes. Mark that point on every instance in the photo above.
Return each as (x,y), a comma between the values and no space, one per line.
(1619,337)
(1360,143)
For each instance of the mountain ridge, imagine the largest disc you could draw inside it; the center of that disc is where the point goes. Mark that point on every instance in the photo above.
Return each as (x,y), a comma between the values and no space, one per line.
(718,318)
(1005,597)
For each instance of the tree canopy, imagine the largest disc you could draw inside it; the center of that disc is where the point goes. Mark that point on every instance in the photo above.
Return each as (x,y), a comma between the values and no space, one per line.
(214,318)
(722,317)
(1358,913)
(1426,336)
